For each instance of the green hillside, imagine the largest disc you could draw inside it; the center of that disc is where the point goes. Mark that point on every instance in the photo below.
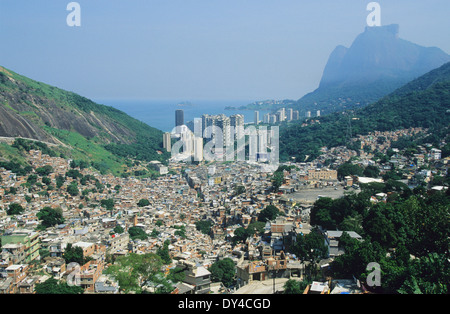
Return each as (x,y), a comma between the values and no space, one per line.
(424,102)
(102,135)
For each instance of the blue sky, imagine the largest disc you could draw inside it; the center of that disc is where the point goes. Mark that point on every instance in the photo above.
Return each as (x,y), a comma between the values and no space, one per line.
(197,49)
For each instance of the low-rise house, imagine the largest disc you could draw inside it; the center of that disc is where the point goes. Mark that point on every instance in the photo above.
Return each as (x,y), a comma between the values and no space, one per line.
(89,274)
(27,285)
(197,276)
(106,285)
(332,241)
(28,238)
(116,243)
(55,266)
(15,274)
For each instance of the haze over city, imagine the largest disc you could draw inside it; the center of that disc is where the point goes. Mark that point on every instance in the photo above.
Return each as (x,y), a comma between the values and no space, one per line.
(197,49)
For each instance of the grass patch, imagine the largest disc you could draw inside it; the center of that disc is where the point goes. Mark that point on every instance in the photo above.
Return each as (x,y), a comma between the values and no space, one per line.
(89,151)
(7,152)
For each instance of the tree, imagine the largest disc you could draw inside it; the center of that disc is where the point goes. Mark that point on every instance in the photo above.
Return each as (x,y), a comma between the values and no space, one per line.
(72,189)
(79,164)
(379,227)
(223,271)
(176,274)
(356,259)
(143,202)
(134,271)
(53,286)
(349,169)
(240,235)
(310,247)
(295,287)
(32,179)
(74,174)
(428,275)
(50,217)
(60,181)
(44,171)
(181,231)
(269,213)
(371,171)
(321,213)
(256,227)
(277,180)
(137,233)
(46,180)
(107,203)
(15,209)
(164,254)
(118,229)
(204,226)
(427,224)
(73,255)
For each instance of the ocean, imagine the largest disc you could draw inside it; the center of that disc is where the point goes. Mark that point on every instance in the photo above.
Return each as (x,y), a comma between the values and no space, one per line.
(160,114)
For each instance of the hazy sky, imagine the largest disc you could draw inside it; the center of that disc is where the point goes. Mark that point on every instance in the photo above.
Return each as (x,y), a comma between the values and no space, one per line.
(197,49)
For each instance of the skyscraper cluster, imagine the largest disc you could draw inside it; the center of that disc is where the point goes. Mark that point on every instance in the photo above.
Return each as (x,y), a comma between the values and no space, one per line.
(187,141)
(281,115)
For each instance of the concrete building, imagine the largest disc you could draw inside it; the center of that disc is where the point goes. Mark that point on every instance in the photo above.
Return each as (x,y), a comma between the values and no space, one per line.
(179,117)
(167,141)
(256,120)
(198,149)
(197,276)
(30,240)
(322,174)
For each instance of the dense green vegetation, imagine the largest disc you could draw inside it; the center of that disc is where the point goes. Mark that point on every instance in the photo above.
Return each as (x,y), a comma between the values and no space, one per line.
(404,235)
(50,217)
(424,102)
(138,272)
(204,226)
(53,286)
(223,271)
(74,254)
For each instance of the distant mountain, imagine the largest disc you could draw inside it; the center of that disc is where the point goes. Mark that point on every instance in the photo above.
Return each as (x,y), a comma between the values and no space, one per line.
(101,134)
(423,102)
(377,63)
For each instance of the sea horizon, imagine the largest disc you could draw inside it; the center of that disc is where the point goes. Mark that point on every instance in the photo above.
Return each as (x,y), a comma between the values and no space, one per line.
(160,113)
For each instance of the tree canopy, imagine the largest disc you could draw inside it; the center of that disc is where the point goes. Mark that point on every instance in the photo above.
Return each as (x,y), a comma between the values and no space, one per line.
(50,217)
(223,271)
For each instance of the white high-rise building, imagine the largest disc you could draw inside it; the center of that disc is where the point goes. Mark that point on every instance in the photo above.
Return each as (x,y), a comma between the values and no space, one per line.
(198,149)
(223,122)
(187,139)
(256,117)
(167,142)
(290,114)
(273,119)
(237,122)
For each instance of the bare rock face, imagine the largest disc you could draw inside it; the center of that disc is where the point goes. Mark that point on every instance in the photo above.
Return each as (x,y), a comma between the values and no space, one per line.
(379,53)
(378,62)
(29,109)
